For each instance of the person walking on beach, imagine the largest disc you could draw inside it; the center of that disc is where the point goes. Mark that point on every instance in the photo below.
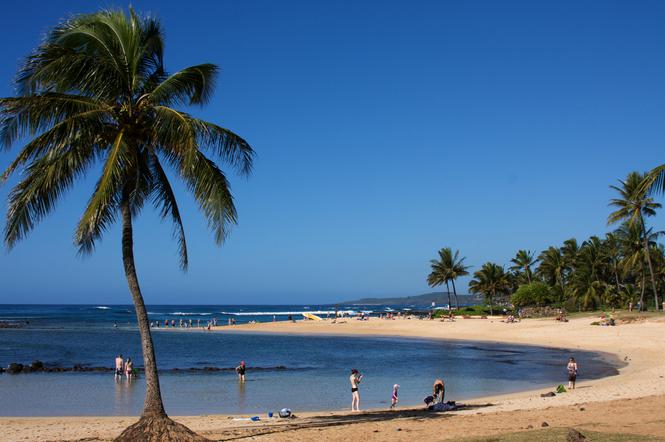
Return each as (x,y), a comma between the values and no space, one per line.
(119,365)
(241,369)
(439,388)
(129,368)
(394,400)
(355,379)
(572,373)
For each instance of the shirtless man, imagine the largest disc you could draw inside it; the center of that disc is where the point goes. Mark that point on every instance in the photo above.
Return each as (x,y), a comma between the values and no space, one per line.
(119,365)
(355,379)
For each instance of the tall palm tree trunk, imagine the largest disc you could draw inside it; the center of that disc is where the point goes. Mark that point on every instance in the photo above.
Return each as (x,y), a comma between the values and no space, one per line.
(448,291)
(153,406)
(154,424)
(642,293)
(455,294)
(528,275)
(616,277)
(646,251)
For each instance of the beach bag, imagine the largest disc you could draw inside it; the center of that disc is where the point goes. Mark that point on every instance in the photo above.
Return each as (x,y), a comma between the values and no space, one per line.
(284,412)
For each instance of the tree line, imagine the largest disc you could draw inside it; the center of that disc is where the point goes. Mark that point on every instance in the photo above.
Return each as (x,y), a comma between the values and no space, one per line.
(623,267)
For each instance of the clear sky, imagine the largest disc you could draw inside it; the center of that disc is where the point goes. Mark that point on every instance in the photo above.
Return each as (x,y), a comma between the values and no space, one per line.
(384,131)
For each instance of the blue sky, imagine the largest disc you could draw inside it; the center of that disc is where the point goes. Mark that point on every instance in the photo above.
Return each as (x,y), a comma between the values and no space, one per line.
(384,131)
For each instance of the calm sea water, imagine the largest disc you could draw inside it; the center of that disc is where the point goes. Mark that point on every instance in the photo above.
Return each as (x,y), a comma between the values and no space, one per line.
(315,378)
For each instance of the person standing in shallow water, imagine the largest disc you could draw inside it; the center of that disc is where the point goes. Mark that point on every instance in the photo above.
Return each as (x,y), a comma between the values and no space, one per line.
(119,364)
(241,369)
(355,379)
(572,373)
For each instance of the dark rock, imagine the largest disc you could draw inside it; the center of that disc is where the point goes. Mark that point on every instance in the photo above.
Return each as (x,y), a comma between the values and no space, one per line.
(582,408)
(550,394)
(575,436)
(544,424)
(14,368)
(37,365)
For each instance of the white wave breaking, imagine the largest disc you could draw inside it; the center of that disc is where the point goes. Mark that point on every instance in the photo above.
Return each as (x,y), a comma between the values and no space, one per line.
(103,307)
(315,312)
(190,313)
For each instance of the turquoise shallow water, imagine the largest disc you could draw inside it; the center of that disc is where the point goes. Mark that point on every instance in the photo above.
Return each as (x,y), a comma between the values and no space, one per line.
(314,373)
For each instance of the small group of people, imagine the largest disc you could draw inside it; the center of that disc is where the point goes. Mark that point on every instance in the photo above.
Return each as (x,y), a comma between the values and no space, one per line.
(123,367)
(438,395)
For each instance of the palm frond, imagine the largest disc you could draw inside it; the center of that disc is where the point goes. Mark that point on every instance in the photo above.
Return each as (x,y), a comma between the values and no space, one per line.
(102,206)
(165,201)
(192,85)
(46,180)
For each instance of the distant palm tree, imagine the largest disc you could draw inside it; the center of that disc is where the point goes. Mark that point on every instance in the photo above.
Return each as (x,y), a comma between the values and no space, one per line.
(457,269)
(523,261)
(491,281)
(95,91)
(633,261)
(439,275)
(633,204)
(587,288)
(611,250)
(552,268)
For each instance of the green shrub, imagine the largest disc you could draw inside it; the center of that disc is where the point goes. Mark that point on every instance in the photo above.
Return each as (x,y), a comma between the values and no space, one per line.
(534,294)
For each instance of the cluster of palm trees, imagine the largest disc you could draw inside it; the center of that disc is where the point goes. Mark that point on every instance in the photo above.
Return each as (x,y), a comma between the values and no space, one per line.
(626,266)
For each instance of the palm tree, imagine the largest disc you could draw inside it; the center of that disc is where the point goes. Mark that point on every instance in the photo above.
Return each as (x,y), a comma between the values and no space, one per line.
(633,204)
(439,275)
(523,261)
(456,269)
(491,280)
(612,254)
(585,282)
(552,268)
(95,90)
(633,261)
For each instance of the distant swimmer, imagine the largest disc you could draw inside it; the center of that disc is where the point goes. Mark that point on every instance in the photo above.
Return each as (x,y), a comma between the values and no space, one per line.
(355,379)
(241,369)
(439,391)
(119,365)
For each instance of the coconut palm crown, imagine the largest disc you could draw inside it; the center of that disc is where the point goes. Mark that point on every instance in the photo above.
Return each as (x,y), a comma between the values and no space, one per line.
(95,96)
(632,205)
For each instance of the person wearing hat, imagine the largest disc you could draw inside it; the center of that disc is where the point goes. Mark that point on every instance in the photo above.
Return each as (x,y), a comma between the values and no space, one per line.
(355,379)
(240,369)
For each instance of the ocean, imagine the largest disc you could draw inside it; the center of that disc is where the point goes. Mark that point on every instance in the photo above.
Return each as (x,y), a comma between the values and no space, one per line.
(303,373)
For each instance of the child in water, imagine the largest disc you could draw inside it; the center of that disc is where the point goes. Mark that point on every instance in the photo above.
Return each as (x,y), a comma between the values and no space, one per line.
(393,402)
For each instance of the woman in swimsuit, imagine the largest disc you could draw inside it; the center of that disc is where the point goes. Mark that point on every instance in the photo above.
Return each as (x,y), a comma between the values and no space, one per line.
(355,379)
(572,373)
(129,367)
(240,369)
(439,391)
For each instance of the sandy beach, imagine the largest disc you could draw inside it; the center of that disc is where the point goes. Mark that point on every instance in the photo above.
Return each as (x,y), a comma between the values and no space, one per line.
(630,402)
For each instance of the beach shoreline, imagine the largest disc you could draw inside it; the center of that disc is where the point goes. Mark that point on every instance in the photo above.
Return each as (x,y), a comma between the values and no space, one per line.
(639,382)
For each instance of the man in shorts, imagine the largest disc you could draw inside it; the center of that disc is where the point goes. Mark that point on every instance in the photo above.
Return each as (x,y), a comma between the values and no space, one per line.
(119,365)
